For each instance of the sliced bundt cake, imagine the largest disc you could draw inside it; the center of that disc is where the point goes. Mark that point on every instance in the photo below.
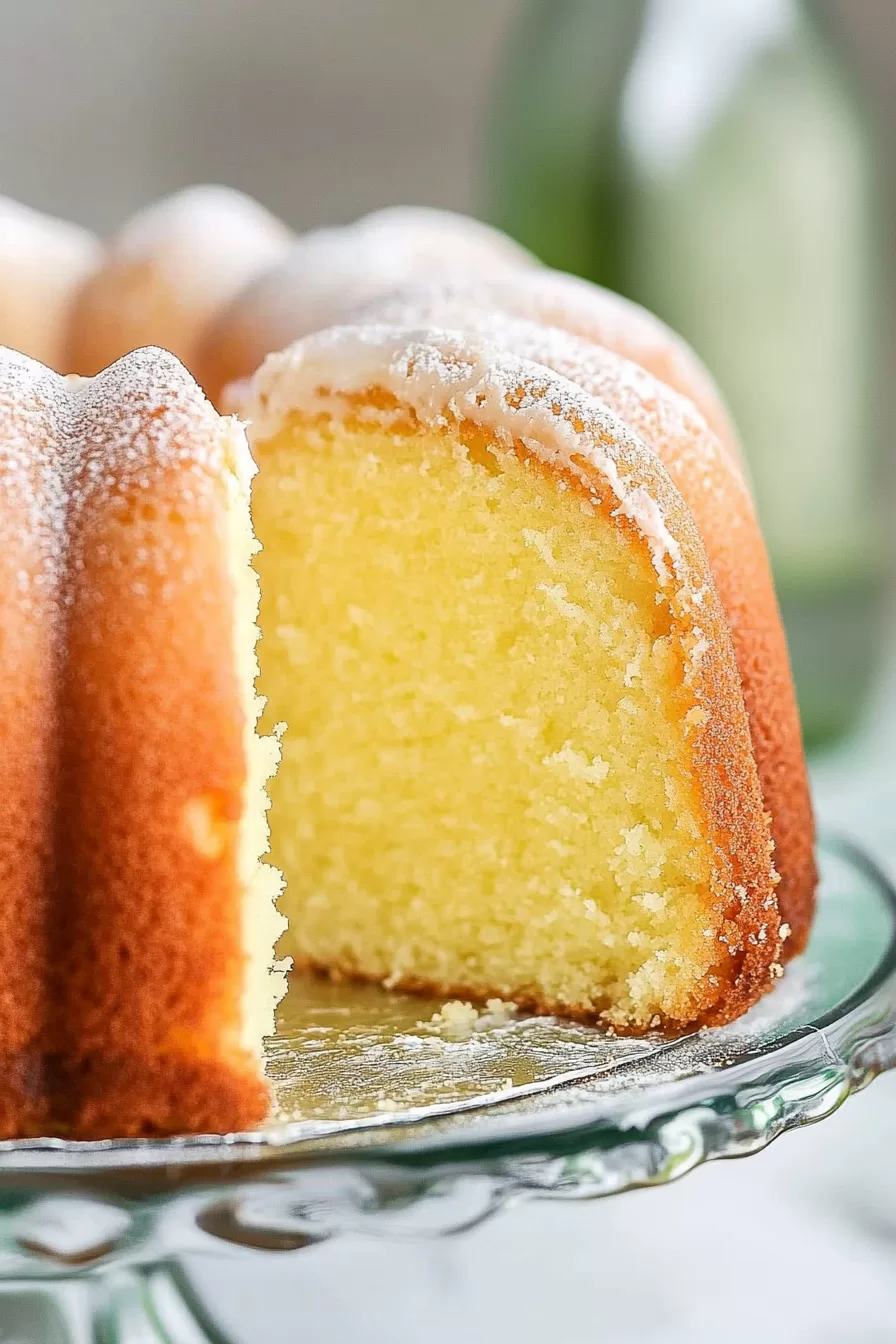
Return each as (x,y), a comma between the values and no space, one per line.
(712,484)
(517,760)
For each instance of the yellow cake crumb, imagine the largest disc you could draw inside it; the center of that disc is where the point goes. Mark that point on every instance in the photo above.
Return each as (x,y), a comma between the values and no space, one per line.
(487,779)
(459,1021)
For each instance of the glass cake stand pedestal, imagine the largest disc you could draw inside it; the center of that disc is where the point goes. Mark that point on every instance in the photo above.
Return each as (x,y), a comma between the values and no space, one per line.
(395,1125)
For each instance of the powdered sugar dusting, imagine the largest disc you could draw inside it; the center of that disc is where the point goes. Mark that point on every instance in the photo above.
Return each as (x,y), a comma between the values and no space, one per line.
(142,416)
(592,366)
(446,376)
(585,310)
(653,409)
(67,444)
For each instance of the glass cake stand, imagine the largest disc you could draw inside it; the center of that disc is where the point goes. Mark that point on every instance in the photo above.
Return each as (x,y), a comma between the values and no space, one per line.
(392,1124)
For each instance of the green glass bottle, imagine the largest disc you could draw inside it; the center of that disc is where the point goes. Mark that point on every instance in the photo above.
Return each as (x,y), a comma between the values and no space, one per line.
(714,162)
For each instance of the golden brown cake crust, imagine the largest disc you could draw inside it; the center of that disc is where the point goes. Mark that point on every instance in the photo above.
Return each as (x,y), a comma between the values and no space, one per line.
(143,1095)
(28,733)
(714,489)
(134,939)
(396,375)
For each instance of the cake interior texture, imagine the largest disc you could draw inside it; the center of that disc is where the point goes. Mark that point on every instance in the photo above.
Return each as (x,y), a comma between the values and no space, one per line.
(487,781)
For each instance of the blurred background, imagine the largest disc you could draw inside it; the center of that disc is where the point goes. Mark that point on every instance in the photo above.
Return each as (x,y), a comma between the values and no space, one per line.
(729,164)
(725,162)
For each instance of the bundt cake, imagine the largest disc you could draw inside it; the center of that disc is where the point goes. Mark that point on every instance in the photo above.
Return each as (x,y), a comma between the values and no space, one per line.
(138,921)
(517,760)
(713,487)
(166,274)
(43,261)
(327,273)
(519,638)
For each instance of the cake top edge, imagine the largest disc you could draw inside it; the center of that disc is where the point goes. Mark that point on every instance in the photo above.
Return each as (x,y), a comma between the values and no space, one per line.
(569,302)
(144,410)
(447,376)
(581,360)
(148,366)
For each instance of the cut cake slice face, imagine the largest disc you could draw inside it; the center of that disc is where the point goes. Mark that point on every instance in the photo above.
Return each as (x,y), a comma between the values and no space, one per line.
(517,760)
(715,490)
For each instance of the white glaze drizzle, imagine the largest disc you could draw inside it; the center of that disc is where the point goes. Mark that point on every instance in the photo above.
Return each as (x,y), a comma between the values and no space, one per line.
(446,376)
